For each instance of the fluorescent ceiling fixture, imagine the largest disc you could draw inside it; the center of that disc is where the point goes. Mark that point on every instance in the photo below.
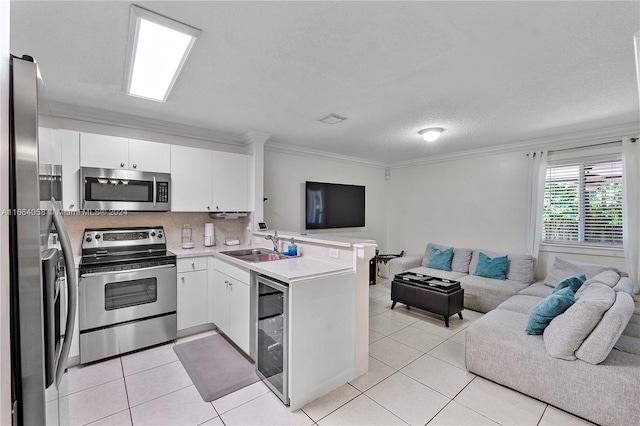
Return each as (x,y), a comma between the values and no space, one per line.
(431,134)
(157,49)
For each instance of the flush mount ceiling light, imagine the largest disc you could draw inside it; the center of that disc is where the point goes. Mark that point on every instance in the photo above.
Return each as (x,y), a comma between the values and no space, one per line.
(157,49)
(332,119)
(431,134)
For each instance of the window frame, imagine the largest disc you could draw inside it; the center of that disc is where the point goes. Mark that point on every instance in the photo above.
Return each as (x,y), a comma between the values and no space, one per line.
(601,152)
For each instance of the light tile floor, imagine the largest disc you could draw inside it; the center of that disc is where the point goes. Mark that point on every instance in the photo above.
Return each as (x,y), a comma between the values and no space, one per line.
(416,376)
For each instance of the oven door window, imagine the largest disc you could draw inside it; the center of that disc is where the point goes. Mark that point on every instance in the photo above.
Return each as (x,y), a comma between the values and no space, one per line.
(118,190)
(124,294)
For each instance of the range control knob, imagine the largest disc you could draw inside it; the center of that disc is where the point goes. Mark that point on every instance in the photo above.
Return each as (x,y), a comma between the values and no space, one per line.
(97,236)
(88,239)
(153,234)
(160,236)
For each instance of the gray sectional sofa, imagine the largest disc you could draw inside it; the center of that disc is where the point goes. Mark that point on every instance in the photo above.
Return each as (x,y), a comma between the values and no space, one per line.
(586,362)
(480,294)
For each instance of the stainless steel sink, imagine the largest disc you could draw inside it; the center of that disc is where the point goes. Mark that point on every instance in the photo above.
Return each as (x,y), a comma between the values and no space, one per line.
(254,255)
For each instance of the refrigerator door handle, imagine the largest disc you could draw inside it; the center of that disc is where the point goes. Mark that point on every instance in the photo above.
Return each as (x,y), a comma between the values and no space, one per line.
(72,290)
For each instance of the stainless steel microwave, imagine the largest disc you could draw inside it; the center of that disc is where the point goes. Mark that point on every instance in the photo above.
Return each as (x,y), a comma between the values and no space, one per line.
(131,190)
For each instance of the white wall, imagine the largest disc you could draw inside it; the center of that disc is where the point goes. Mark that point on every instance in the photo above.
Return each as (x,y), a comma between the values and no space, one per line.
(476,202)
(284,177)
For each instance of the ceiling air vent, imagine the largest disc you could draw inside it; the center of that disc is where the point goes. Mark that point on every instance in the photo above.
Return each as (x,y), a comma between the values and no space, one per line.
(332,119)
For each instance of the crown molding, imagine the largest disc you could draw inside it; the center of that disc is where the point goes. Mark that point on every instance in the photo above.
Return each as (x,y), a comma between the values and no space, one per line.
(97,115)
(102,116)
(255,136)
(545,143)
(323,155)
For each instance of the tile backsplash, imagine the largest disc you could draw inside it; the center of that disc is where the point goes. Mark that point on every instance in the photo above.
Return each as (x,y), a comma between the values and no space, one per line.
(171,221)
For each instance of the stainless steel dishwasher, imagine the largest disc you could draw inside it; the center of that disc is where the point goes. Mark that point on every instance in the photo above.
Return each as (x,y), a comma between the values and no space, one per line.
(272,335)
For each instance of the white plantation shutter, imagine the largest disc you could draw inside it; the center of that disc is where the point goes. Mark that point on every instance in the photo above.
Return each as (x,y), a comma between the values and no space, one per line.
(583,201)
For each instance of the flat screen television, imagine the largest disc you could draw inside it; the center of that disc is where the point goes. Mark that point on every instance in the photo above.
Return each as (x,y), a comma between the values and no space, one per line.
(332,205)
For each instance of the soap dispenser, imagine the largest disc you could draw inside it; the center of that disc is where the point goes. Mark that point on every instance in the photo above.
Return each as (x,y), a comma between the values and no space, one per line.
(293,249)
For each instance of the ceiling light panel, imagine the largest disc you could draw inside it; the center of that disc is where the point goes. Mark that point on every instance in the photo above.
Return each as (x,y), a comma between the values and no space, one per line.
(157,50)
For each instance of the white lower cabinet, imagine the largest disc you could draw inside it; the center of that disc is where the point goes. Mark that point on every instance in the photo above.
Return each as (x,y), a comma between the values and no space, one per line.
(230,302)
(192,292)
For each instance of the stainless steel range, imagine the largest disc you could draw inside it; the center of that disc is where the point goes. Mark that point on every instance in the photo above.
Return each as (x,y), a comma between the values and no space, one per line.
(127,291)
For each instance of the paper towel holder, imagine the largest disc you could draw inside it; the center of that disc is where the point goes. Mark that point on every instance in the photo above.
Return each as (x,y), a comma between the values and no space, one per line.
(209,238)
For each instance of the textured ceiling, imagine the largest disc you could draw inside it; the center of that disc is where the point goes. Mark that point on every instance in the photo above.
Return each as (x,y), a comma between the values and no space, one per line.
(490,73)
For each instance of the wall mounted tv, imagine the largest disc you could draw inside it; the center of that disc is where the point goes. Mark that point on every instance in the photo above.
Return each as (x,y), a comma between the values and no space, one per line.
(332,205)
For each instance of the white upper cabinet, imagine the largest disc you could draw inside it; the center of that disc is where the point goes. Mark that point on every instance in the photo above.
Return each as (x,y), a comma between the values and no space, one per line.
(49,150)
(112,152)
(62,148)
(230,181)
(149,156)
(191,179)
(102,151)
(69,142)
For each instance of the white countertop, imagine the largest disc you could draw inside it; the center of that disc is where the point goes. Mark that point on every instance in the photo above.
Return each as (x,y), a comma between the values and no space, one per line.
(325,239)
(287,270)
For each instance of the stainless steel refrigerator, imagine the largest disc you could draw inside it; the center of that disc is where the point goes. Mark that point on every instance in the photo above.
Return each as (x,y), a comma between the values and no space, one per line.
(43,297)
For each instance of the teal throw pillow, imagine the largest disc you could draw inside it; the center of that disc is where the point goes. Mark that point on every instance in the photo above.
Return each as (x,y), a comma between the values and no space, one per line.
(492,267)
(440,259)
(549,308)
(575,282)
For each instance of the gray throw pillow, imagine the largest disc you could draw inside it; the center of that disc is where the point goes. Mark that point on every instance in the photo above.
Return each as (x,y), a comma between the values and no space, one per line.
(597,346)
(563,268)
(459,261)
(568,331)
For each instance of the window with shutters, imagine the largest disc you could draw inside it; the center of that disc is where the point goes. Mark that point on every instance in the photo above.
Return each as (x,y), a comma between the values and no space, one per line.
(583,201)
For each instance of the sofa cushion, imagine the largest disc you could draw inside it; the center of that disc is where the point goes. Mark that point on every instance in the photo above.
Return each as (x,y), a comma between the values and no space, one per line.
(563,268)
(568,331)
(423,270)
(608,278)
(548,308)
(632,330)
(459,261)
(440,259)
(575,282)
(628,344)
(597,346)
(492,267)
(537,289)
(520,303)
(625,284)
(490,288)
(520,267)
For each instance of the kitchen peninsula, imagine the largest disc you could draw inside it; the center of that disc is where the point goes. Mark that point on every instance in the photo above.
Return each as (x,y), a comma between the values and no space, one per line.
(328,318)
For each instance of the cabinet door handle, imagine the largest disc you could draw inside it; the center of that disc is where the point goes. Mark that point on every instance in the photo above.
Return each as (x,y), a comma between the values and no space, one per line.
(71,206)
(208,208)
(217,208)
(193,266)
(135,166)
(121,164)
(182,278)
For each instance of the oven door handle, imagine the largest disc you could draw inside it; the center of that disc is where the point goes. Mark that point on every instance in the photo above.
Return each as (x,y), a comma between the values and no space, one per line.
(155,184)
(95,274)
(72,291)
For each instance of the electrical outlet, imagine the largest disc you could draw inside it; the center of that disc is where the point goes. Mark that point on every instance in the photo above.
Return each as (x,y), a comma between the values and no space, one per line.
(335,253)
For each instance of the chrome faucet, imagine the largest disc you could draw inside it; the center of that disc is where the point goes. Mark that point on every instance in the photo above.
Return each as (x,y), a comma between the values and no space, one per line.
(275,240)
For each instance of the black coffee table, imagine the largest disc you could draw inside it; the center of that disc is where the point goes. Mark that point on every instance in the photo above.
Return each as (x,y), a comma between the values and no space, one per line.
(438,296)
